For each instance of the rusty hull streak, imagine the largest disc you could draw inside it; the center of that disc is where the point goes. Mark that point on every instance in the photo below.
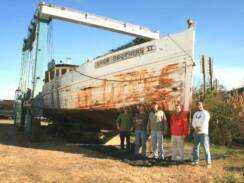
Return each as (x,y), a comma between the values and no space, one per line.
(112,95)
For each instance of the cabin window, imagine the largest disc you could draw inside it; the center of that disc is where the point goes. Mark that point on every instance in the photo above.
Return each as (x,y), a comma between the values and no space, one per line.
(57,73)
(52,74)
(64,71)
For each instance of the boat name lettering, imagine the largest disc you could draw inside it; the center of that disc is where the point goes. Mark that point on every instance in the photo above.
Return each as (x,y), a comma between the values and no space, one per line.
(124,56)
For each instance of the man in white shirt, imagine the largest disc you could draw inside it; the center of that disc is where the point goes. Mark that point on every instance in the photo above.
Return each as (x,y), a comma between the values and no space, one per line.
(200,123)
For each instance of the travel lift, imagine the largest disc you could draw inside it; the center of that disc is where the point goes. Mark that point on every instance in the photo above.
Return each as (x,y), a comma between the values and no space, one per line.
(29,102)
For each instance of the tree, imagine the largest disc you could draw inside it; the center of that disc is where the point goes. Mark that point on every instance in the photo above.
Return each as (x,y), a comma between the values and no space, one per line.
(227,114)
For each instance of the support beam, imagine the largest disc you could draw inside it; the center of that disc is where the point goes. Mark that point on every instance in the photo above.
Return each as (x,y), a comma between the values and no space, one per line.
(34,111)
(41,49)
(24,70)
(50,12)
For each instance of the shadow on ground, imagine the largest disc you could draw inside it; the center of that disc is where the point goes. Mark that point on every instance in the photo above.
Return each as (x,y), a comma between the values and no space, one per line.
(10,136)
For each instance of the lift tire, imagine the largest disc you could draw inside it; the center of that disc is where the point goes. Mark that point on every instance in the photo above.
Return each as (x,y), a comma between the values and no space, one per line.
(36,131)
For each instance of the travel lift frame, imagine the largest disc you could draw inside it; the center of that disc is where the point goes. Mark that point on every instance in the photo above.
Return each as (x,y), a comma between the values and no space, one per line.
(29,102)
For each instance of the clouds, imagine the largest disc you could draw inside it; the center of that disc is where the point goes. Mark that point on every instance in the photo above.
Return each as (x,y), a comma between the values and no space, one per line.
(8,82)
(230,77)
(7,92)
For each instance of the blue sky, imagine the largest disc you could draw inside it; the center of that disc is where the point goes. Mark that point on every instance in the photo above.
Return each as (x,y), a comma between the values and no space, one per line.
(220,33)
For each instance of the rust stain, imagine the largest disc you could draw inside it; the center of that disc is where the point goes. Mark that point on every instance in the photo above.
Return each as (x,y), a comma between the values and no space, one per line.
(88,97)
(112,94)
(157,87)
(165,79)
(110,101)
(121,86)
(104,84)
(78,100)
(165,105)
(170,67)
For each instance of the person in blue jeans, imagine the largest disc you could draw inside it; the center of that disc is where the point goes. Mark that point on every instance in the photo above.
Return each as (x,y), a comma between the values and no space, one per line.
(156,127)
(139,124)
(200,123)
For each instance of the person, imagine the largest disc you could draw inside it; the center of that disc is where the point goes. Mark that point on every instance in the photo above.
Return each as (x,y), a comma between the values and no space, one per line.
(200,123)
(156,127)
(179,130)
(139,124)
(124,123)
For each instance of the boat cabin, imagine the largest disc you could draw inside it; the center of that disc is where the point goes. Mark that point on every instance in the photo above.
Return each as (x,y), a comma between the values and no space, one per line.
(58,70)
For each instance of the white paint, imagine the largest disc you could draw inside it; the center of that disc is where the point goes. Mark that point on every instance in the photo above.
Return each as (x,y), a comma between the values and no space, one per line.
(64,92)
(47,11)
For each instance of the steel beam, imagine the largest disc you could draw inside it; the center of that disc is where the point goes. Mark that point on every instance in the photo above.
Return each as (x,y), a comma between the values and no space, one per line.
(41,49)
(50,12)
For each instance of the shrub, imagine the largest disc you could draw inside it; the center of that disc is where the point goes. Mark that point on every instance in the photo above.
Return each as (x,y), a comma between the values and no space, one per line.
(227,114)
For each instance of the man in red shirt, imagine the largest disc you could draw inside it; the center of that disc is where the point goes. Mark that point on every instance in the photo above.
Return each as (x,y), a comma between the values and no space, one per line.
(179,130)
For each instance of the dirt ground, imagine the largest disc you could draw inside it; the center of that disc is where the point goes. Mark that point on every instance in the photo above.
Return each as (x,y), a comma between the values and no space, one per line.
(55,160)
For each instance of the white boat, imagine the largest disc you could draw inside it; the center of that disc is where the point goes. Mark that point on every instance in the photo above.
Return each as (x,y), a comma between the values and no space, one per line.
(159,71)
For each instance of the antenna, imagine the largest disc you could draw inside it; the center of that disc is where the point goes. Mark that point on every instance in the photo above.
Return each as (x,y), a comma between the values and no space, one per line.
(68,60)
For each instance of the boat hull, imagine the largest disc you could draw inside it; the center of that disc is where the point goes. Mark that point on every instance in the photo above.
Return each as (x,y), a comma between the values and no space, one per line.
(156,71)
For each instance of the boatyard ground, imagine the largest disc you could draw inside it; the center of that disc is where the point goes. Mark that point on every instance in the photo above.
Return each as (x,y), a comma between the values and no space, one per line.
(55,160)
